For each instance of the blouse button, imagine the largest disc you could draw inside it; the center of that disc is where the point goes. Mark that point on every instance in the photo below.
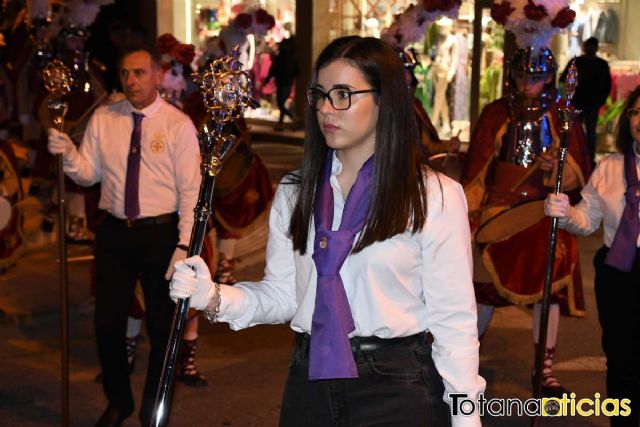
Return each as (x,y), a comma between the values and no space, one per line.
(323,243)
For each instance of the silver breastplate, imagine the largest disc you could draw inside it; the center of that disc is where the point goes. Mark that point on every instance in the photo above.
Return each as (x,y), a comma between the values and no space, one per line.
(525,140)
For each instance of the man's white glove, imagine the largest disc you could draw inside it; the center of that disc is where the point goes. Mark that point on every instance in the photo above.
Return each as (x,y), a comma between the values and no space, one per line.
(59,143)
(178,255)
(557,205)
(192,279)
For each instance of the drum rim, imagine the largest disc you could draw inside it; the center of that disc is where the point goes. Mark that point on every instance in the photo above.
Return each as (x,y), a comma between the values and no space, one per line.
(492,219)
(4,204)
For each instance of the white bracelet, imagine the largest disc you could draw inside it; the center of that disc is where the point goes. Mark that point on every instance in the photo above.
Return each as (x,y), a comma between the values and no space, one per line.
(212,315)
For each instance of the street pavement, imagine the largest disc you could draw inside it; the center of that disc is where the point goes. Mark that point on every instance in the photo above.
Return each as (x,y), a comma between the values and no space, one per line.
(246,369)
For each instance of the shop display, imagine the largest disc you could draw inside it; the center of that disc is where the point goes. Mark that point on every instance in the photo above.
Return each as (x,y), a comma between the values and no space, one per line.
(603,19)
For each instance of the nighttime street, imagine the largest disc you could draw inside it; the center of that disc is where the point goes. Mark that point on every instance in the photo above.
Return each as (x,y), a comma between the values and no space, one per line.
(246,370)
(136,132)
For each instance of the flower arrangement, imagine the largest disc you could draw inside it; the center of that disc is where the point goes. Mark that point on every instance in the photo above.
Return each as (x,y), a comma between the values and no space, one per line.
(256,22)
(82,13)
(409,26)
(533,22)
(174,51)
(175,57)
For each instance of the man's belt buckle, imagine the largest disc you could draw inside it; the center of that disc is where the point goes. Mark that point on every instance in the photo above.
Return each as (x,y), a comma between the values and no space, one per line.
(129,223)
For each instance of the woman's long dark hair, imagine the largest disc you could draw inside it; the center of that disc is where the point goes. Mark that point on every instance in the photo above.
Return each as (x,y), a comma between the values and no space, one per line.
(400,193)
(623,134)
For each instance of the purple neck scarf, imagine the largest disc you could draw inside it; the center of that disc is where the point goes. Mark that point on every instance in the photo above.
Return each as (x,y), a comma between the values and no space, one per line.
(330,353)
(623,249)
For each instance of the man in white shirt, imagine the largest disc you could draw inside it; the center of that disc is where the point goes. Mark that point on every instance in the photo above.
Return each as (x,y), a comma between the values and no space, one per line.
(145,154)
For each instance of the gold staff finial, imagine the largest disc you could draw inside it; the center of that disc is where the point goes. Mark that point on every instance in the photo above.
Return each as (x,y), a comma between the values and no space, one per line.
(57,78)
(58,81)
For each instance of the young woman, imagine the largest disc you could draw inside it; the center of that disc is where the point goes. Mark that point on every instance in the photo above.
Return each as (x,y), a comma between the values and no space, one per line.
(611,196)
(368,257)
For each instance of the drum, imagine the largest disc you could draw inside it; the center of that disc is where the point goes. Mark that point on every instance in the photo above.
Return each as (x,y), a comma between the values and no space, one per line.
(511,252)
(5,212)
(11,218)
(510,221)
(450,164)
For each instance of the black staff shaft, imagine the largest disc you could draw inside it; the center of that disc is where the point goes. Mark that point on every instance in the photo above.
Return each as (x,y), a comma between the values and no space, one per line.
(165,389)
(546,293)
(58,123)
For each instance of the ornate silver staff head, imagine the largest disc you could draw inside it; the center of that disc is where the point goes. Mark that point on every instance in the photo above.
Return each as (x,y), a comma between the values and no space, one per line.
(571,82)
(58,81)
(226,91)
(568,113)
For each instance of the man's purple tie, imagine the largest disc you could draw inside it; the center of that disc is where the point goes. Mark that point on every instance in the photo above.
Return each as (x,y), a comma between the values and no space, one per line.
(623,249)
(330,353)
(131,202)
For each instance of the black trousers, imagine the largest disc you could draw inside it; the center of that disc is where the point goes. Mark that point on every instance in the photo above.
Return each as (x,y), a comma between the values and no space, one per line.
(618,299)
(282,94)
(397,386)
(590,119)
(123,255)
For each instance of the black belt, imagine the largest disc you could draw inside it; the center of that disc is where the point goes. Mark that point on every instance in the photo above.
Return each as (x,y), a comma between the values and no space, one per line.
(362,344)
(141,222)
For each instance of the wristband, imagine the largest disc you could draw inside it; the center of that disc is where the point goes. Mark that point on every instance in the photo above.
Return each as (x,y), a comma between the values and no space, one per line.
(212,315)
(183,247)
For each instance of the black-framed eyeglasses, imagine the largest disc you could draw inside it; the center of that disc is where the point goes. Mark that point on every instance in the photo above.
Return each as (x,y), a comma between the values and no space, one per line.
(339,97)
(633,113)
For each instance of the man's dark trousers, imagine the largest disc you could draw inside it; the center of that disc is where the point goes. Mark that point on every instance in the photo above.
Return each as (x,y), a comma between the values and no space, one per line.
(123,254)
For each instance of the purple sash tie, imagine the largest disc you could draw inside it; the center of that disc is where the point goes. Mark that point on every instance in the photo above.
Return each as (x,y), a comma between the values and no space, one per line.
(330,353)
(623,249)
(131,184)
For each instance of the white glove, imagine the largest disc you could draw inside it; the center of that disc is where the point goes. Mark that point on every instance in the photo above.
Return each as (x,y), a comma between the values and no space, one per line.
(59,143)
(178,255)
(557,205)
(192,279)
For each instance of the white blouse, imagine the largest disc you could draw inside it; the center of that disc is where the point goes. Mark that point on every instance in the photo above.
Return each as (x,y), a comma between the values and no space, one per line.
(602,200)
(404,285)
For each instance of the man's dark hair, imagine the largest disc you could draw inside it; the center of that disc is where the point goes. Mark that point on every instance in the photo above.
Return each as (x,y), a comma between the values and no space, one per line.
(140,47)
(591,45)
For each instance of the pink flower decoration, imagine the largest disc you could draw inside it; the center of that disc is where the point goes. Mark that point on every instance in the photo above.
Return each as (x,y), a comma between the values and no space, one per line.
(500,12)
(184,53)
(535,12)
(564,17)
(166,43)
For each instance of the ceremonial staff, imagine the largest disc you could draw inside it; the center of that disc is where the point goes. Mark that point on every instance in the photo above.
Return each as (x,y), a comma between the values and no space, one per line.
(58,81)
(226,91)
(567,115)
